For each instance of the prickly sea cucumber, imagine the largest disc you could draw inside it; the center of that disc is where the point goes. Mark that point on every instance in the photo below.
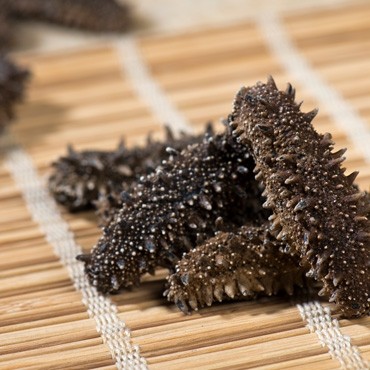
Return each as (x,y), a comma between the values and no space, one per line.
(243,263)
(170,211)
(316,208)
(84,178)
(109,202)
(96,15)
(12,85)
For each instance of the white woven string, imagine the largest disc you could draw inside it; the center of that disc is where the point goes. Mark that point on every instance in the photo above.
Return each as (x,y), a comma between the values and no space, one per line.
(320,321)
(342,113)
(146,87)
(46,214)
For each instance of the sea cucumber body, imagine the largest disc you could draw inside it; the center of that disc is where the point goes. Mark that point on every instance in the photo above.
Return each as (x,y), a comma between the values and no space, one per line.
(316,208)
(12,84)
(95,15)
(83,178)
(172,210)
(243,263)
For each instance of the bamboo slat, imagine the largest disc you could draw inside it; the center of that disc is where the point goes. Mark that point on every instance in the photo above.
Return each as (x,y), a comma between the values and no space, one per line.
(85,97)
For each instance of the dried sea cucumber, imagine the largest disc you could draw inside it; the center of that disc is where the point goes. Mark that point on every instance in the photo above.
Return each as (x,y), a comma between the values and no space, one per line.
(316,208)
(5,31)
(169,212)
(84,178)
(95,15)
(12,85)
(80,177)
(243,263)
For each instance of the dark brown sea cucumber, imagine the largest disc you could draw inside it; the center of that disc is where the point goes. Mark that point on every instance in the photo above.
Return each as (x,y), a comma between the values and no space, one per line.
(243,263)
(316,208)
(172,210)
(84,178)
(95,15)
(5,31)
(12,85)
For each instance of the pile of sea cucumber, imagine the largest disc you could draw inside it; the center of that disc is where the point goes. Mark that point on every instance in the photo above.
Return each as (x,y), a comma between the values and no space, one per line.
(261,208)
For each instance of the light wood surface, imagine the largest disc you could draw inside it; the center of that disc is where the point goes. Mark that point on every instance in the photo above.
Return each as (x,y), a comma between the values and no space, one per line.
(84,97)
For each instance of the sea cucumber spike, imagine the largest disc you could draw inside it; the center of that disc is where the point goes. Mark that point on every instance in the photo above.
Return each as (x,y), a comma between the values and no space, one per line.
(333,297)
(301,205)
(121,147)
(268,204)
(339,153)
(334,162)
(326,140)
(292,179)
(242,263)
(299,104)
(208,295)
(258,176)
(276,224)
(209,131)
(230,288)
(311,272)
(290,90)
(71,151)
(281,235)
(232,124)
(337,279)
(218,292)
(84,257)
(361,219)
(354,197)
(352,177)
(289,158)
(271,83)
(364,236)
(169,134)
(184,205)
(328,224)
(171,151)
(322,292)
(309,116)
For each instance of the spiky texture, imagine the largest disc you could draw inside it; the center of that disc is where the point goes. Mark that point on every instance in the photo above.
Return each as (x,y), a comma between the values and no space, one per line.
(172,210)
(83,178)
(12,84)
(316,208)
(96,15)
(243,263)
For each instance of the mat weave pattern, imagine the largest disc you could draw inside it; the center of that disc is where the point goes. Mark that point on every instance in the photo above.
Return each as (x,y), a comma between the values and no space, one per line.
(50,317)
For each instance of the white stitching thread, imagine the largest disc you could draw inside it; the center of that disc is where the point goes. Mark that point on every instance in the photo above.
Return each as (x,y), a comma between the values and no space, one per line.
(45,212)
(320,321)
(146,87)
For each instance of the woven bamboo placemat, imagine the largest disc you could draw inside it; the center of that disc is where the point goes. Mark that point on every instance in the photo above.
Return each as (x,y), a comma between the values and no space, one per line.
(50,317)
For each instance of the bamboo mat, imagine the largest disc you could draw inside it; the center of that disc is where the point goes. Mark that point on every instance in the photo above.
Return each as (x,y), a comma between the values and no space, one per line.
(93,97)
